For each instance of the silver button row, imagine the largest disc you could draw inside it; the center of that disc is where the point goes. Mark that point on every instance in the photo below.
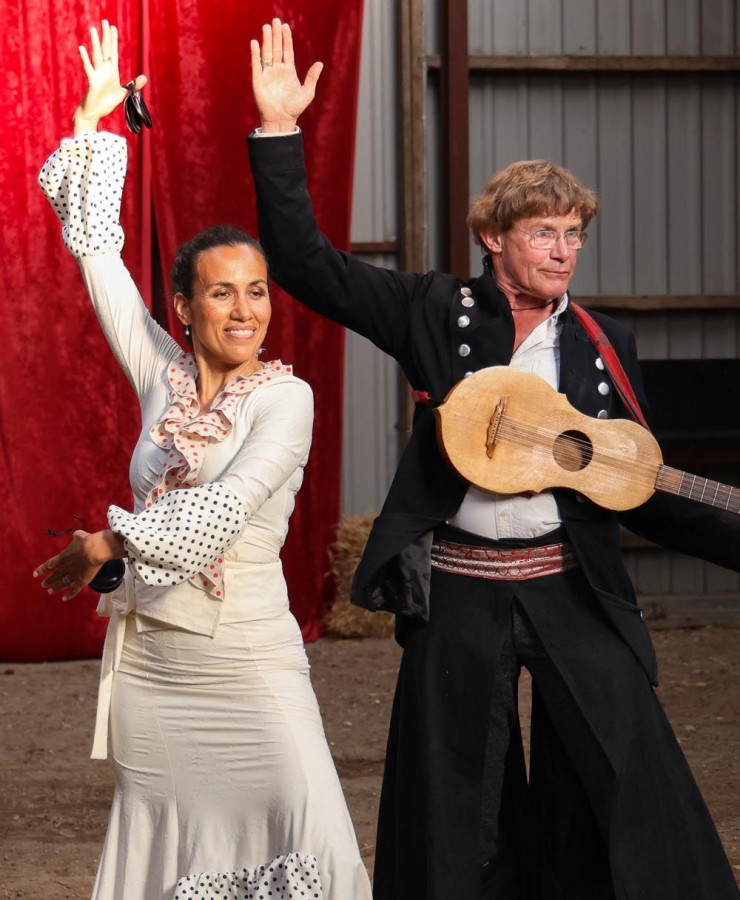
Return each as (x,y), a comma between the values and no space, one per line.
(463,350)
(463,321)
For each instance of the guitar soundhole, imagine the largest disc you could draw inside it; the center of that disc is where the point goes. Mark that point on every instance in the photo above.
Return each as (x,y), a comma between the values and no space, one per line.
(572,450)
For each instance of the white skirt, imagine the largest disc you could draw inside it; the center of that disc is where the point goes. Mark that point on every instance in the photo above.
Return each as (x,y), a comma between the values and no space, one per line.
(225,786)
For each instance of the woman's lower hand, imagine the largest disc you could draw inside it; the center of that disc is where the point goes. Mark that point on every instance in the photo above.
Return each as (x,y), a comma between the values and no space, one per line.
(105,91)
(76,566)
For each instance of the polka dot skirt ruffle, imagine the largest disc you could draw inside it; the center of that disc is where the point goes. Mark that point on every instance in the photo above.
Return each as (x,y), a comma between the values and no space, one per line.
(292,877)
(184,535)
(83,181)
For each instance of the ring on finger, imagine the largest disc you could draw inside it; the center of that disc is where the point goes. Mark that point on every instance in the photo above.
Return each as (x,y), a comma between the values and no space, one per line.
(66,580)
(266,62)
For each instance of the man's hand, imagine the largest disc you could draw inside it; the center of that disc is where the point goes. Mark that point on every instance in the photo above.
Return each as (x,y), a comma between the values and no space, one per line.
(278,91)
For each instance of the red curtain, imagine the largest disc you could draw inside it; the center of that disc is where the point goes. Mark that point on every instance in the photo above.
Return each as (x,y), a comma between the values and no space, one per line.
(200,68)
(68,419)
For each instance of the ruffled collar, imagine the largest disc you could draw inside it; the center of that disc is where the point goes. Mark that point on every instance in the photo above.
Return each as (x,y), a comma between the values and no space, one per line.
(185,432)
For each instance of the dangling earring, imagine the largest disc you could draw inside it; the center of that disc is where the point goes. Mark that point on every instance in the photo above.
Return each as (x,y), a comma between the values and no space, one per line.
(260,351)
(187,331)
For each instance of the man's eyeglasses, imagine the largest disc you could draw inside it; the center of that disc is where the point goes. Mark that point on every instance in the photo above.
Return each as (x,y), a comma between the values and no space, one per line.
(547,238)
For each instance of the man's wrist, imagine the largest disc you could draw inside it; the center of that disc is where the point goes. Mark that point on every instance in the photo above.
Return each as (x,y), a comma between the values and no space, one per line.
(280,126)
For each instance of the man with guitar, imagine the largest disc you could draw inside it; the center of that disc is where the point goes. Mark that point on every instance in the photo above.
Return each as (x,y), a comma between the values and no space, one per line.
(484,582)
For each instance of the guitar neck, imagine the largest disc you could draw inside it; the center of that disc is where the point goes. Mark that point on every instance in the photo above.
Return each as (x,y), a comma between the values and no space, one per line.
(713,493)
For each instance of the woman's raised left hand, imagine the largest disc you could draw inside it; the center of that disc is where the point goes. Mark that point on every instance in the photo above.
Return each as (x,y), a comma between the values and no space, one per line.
(105,91)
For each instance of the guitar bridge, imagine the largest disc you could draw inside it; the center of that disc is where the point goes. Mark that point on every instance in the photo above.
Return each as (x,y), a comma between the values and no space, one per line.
(494,425)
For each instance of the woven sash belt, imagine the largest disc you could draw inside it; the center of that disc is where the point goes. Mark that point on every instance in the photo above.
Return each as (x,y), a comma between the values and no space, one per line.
(504,565)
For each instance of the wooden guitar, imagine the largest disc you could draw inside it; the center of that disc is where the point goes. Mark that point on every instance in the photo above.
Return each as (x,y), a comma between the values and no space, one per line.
(508,431)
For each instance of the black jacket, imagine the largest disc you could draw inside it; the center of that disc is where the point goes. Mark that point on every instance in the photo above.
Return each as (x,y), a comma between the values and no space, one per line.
(414,318)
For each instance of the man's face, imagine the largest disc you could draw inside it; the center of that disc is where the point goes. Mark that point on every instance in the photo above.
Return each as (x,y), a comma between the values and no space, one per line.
(524,271)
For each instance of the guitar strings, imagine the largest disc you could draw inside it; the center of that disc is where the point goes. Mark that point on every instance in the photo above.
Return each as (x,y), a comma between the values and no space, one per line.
(699,489)
(524,434)
(648,474)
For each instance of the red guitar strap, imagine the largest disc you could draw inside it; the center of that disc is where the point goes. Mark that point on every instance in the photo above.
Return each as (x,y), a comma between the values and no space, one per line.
(611,362)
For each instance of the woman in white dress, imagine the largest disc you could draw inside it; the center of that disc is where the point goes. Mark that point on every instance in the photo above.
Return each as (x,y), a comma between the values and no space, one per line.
(224,782)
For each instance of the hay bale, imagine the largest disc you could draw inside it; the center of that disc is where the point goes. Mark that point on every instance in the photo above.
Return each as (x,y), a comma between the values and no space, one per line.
(343,619)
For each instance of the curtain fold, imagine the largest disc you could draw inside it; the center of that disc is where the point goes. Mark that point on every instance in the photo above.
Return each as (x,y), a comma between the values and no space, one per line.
(201,73)
(68,418)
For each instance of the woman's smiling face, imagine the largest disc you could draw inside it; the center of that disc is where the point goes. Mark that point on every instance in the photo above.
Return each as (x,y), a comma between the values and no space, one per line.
(229,310)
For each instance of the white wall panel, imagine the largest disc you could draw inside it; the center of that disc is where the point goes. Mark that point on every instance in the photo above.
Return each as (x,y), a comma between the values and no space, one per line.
(648,27)
(662,153)
(579,27)
(374,202)
(607,27)
(613,28)
(683,163)
(719,187)
(683,27)
(506,31)
(370,402)
(544,26)
(718,22)
(370,441)
(650,185)
(580,155)
(615,187)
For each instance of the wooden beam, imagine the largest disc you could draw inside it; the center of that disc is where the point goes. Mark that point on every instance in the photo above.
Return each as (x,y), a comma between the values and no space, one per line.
(662,303)
(675,64)
(455,83)
(412,223)
(412,78)
(374,247)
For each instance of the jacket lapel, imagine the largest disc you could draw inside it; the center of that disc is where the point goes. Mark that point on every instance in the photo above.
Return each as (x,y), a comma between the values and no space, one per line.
(578,373)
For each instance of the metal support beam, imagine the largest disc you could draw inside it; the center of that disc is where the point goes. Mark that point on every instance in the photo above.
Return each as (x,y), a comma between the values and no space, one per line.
(412,73)
(455,135)
(642,64)
(412,224)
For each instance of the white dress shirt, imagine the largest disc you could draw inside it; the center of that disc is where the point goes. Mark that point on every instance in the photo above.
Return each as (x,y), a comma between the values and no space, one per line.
(499,516)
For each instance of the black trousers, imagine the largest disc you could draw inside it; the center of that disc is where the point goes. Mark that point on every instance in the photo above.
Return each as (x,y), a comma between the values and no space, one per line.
(547,838)
(609,808)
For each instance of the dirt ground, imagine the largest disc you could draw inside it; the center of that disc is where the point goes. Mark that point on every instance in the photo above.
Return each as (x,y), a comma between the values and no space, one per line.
(54,800)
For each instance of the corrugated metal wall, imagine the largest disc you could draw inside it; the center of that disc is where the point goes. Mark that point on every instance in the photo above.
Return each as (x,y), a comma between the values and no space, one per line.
(661,152)
(660,149)
(370,437)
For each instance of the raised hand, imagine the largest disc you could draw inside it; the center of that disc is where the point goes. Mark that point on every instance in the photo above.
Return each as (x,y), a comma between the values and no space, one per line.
(278,91)
(104,92)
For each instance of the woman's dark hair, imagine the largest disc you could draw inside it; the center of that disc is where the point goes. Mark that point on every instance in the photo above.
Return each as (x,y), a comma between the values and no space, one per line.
(182,275)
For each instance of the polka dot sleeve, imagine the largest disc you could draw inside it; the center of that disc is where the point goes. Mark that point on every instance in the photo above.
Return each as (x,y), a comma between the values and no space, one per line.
(83,181)
(277,445)
(183,534)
